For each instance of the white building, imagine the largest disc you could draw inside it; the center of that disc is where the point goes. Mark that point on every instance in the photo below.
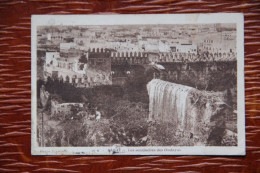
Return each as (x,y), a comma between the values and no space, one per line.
(64,47)
(51,58)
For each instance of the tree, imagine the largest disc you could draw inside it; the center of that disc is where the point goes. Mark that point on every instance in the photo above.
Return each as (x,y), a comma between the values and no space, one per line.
(83,59)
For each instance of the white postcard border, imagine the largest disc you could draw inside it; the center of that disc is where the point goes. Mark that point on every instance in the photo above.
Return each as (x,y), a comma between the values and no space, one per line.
(237,18)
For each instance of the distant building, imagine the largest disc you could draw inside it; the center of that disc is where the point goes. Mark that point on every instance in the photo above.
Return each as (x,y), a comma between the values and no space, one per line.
(51,58)
(219,46)
(184,48)
(70,50)
(64,47)
(93,73)
(228,35)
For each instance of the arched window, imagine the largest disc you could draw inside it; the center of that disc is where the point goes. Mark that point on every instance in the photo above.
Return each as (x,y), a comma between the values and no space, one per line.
(67,79)
(74,79)
(61,78)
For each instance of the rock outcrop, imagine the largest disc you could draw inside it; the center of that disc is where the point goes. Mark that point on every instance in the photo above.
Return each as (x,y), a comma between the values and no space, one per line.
(44,96)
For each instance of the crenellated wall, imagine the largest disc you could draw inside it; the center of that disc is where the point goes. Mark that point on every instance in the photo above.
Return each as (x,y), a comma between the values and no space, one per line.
(191,57)
(129,57)
(97,50)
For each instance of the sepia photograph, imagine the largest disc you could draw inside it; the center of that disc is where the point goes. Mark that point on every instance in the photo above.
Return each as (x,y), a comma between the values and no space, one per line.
(138,85)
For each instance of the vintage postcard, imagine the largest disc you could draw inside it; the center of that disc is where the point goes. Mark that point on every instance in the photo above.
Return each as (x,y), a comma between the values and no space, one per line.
(157,84)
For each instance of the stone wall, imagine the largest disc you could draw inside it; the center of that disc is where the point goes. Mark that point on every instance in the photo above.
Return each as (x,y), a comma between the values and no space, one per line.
(63,108)
(217,76)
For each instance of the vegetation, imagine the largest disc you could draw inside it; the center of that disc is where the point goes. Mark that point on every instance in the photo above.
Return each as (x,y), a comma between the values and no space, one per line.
(83,59)
(124,113)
